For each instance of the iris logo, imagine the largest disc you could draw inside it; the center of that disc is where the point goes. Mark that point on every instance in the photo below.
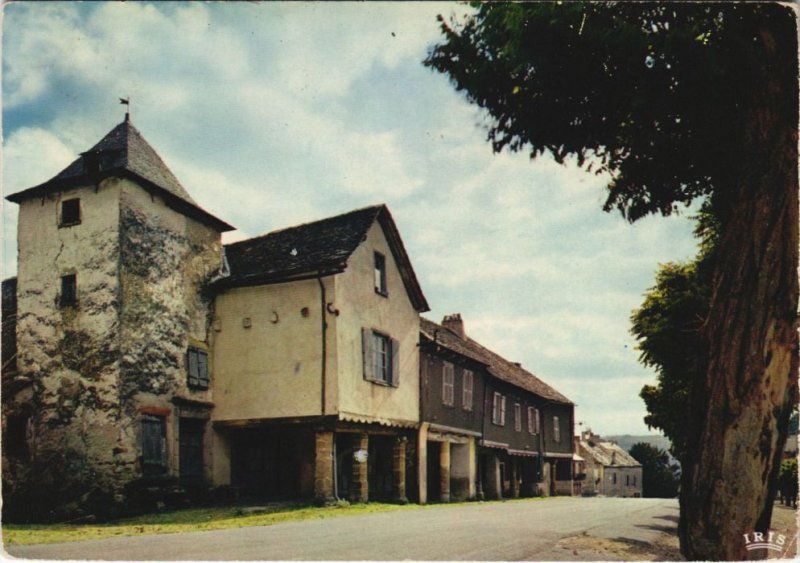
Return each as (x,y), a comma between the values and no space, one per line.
(764,540)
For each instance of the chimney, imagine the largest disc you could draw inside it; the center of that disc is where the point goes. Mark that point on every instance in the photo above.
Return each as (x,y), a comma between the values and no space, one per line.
(454,324)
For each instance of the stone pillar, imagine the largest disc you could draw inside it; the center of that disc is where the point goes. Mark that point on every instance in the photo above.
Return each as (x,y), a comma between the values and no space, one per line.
(545,484)
(323,466)
(422,463)
(359,487)
(514,477)
(494,483)
(399,470)
(444,471)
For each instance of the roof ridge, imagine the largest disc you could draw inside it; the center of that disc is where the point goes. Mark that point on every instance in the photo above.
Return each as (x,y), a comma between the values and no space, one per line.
(377,207)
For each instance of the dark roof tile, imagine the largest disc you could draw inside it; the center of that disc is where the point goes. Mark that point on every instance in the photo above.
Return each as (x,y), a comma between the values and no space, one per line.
(497,366)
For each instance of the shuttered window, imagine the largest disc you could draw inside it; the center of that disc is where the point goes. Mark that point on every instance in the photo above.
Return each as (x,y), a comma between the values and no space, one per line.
(556,430)
(154,445)
(381,355)
(197,366)
(517,417)
(448,380)
(499,409)
(466,395)
(533,420)
(380,274)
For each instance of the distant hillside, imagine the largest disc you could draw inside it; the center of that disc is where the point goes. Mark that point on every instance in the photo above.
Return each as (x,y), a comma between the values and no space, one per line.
(626,441)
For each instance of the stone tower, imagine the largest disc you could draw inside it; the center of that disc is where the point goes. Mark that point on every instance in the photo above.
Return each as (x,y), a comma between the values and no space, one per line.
(112,319)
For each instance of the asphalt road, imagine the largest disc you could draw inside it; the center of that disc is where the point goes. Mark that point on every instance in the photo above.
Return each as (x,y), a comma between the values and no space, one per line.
(514,530)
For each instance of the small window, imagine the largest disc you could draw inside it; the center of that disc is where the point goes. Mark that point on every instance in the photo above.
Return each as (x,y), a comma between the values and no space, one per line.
(627,480)
(466,394)
(70,212)
(380,274)
(614,478)
(15,436)
(381,358)
(154,445)
(69,291)
(499,410)
(197,366)
(517,417)
(448,377)
(556,430)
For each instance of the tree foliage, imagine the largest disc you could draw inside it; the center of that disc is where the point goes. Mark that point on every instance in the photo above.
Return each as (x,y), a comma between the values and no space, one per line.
(668,327)
(659,476)
(651,93)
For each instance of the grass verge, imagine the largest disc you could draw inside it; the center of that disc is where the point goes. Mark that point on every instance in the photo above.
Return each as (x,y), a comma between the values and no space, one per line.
(186,520)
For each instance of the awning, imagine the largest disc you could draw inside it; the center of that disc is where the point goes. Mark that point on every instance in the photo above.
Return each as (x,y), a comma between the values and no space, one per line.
(366,419)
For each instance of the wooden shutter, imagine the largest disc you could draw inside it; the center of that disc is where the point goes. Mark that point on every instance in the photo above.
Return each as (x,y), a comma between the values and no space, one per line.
(192,360)
(368,349)
(202,369)
(394,380)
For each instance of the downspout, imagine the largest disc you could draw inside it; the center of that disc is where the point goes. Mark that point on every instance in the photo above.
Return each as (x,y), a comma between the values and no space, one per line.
(323,332)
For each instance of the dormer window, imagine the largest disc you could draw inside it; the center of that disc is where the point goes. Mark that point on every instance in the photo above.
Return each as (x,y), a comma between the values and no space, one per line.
(70,212)
(380,274)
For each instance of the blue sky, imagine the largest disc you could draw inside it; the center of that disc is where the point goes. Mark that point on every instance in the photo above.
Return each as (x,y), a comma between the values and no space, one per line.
(277,114)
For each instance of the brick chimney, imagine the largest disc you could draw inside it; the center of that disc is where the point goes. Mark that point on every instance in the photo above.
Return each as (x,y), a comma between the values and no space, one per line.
(454,324)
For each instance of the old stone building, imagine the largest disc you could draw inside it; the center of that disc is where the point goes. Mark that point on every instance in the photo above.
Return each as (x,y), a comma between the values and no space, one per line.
(112,299)
(609,470)
(144,361)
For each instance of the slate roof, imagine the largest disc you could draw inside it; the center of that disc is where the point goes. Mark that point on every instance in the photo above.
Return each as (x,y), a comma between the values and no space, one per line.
(496,365)
(608,454)
(124,151)
(316,249)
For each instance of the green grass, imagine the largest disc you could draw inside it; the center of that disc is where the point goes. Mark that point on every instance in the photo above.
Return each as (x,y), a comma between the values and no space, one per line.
(197,519)
(186,520)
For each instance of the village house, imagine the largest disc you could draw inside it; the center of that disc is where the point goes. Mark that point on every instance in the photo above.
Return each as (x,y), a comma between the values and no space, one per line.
(609,470)
(489,428)
(143,357)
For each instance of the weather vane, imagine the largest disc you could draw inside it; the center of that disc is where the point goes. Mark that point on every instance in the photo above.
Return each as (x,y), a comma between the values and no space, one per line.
(126,102)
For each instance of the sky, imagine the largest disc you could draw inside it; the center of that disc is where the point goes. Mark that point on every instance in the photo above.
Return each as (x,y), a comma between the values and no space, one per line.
(276,114)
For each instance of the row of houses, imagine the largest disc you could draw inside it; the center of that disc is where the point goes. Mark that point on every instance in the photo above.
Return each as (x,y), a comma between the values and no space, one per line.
(139,349)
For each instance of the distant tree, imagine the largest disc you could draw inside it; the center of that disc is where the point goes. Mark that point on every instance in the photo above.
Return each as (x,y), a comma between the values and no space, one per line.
(668,327)
(675,101)
(659,476)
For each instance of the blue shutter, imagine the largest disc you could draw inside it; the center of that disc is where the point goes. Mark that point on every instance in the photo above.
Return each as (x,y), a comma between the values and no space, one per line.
(368,350)
(395,376)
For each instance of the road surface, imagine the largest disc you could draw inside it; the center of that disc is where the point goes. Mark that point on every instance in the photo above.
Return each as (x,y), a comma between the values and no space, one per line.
(514,530)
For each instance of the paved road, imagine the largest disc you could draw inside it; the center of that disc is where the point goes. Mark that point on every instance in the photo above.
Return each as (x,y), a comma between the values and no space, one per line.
(516,530)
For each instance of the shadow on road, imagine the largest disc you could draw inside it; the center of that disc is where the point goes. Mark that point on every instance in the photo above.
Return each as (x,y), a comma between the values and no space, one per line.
(658,528)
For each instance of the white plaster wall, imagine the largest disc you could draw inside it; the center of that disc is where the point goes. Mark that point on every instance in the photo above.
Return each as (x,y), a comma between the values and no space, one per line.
(361,307)
(274,367)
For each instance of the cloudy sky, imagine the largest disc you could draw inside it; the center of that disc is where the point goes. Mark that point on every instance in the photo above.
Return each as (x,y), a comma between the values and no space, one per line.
(277,114)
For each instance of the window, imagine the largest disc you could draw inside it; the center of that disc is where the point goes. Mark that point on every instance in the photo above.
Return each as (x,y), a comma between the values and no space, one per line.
(517,417)
(627,480)
(197,366)
(380,274)
(614,478)
(154,445)
(70,212)
(499,410)
(69,291)
(556,430)
(381,357)
(466,395)
(448,377)
(533,420)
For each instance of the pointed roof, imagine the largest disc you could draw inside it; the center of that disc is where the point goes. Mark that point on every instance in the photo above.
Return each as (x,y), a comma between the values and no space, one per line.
(125,152)
(316,249)
(496,365)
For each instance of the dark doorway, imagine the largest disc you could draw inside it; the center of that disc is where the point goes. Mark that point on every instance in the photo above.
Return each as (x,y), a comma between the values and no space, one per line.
(191,450)
(434,472)
(380,467)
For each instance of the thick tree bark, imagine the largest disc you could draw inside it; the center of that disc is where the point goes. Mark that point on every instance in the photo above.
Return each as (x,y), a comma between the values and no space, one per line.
(740,410)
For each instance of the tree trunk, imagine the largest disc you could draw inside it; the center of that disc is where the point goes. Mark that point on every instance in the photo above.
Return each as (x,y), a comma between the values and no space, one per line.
(740,410)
